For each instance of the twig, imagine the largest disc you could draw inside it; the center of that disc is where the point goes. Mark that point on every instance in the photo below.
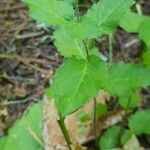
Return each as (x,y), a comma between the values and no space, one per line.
(23,60)
(16,6)
(14,102)
(29,35)
(130,43)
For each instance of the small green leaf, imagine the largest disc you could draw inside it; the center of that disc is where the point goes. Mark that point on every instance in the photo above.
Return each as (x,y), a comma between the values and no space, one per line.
(146,57)
(131,21)
(101,109)
(19,137)
(125,136)
(84,117)
(85,29)
(109,139)
(69,1)
(139,122)
(124,79)
(144,32)
(75,82)
(107,13)
(131,101)
(69,46)
(132,144)
(50,12)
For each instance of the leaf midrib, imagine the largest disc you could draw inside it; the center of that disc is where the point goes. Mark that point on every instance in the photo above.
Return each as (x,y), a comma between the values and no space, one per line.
(49,11)
(84,73)
(113,10)
(80,50)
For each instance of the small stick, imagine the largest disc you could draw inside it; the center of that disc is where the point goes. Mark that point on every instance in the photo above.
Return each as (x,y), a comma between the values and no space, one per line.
(16,6)
(23,60)
(14,102)
(29,35)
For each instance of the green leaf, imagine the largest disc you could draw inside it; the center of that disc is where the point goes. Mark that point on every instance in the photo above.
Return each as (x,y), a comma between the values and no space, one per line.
(125,136)
(132,144)
(20,137)
(84,117)
(124,79)
(51,12)
(146,57)
(69,46)
(107,13)
(132,21)
(139,122)
(144,31)
(101,109)
(69,1)
(131,101)
(85,29)
(79,80)
(109,139)
(75,82)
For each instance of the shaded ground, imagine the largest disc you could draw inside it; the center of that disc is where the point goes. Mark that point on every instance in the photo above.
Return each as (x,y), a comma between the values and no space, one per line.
(26,61)
(28,58)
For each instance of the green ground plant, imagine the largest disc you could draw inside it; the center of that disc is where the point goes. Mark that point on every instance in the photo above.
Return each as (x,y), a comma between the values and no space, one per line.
(83,73)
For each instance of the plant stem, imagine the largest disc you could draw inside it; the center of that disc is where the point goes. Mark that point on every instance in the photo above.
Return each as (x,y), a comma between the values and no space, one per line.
(78,20)
(86,48)
(65,132)
(84,5)
(123,121)
(77,10)
(94,123)
(110,49)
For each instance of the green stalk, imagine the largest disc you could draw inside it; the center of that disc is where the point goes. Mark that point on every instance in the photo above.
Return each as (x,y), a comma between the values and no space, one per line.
(78,20)
(77,10)
(94,123)
(86,47)
(64,130)
(110,49)
(123,121)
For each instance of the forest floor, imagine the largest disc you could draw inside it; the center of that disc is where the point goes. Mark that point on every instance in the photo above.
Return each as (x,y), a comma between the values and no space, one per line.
(28,59)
